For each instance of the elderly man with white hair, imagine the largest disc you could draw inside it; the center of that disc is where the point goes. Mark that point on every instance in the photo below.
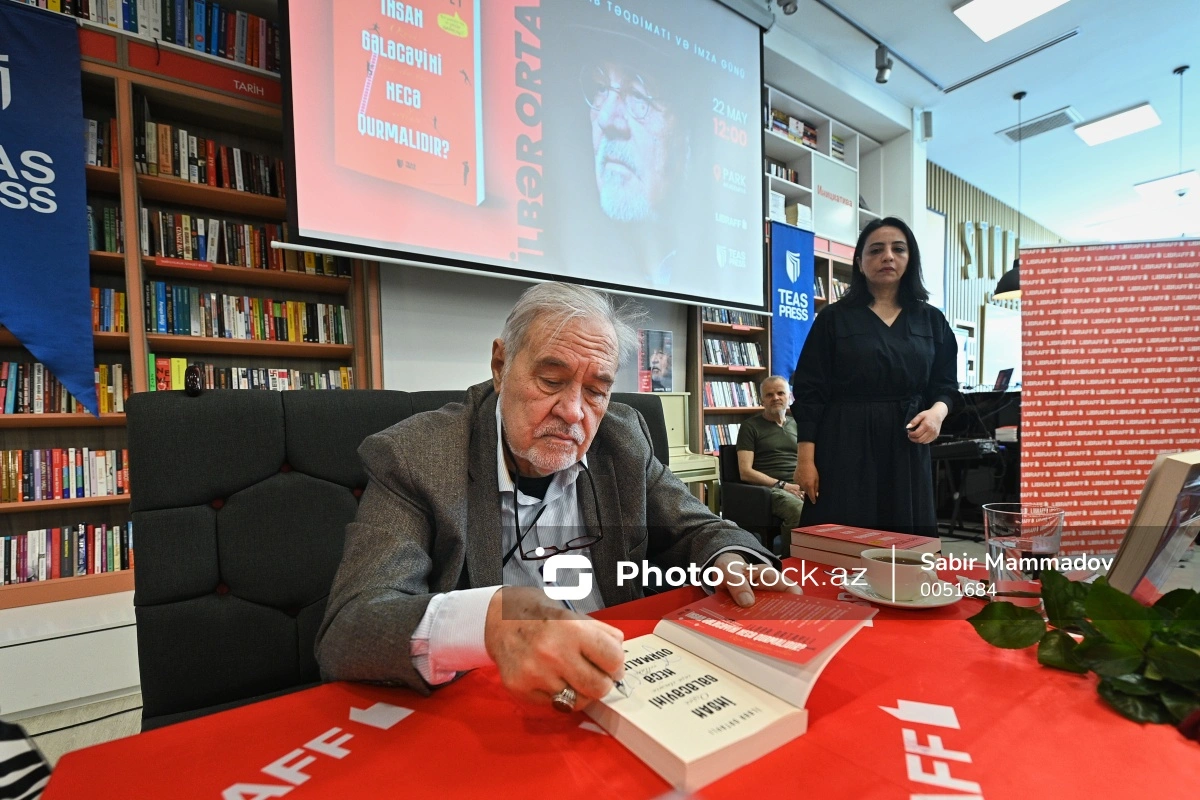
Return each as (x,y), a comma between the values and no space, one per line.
(442,570)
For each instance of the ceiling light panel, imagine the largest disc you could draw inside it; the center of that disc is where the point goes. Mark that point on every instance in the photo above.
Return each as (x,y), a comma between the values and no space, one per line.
(991,18)
(1114,126)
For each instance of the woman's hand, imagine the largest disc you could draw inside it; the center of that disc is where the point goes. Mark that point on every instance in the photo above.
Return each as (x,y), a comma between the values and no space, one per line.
(807,479)
(925,427)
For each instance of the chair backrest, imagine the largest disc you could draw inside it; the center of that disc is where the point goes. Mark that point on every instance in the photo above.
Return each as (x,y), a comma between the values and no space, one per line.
(728,464)
(240,509)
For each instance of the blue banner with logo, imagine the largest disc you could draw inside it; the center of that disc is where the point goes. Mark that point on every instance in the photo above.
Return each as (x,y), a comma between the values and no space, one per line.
(45,293)
(792,279)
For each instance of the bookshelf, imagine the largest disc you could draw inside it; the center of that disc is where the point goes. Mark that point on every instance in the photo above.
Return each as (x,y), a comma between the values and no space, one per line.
(733,357)
(124,75)
(808,153)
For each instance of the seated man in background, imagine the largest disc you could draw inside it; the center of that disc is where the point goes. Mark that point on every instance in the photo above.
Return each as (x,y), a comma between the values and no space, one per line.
(442,569)
(766,451)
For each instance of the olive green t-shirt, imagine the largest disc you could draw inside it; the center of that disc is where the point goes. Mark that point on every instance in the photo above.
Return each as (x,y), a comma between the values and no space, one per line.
(774,446)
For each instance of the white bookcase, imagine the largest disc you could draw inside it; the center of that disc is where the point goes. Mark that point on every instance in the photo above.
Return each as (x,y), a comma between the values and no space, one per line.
(858,172)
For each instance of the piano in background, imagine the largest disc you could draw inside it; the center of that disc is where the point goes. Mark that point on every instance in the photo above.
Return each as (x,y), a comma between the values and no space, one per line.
(694,469)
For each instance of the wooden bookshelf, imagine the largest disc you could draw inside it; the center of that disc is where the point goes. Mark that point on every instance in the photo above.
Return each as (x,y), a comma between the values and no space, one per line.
(11,421)
(734,410)
(102,261)
(103,179)
(179,91)
(734,371)
(58,505)
(52,591)
(213,198)
(203,271)
(723,328)
(161,343)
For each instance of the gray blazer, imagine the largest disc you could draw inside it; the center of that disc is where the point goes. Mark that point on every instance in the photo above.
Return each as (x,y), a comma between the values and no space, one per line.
(429,522)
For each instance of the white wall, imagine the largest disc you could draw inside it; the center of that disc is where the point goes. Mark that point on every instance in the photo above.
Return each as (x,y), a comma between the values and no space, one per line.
(438,328)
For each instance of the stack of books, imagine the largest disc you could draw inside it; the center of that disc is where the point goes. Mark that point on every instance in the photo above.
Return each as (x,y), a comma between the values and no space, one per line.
(840,545)
(1007,433)
(838,147)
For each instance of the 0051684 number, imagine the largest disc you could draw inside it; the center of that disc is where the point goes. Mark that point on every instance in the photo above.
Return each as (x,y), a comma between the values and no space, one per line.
(946,589)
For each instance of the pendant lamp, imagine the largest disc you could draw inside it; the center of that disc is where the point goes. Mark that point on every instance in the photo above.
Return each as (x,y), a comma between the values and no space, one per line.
(1009,285)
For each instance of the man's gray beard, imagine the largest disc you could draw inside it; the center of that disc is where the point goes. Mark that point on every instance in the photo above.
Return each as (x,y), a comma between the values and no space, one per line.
(543,462)
(622,204)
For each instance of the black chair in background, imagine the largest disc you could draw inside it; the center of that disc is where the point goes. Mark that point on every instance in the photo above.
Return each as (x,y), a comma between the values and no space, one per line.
(240,514)
(746,505)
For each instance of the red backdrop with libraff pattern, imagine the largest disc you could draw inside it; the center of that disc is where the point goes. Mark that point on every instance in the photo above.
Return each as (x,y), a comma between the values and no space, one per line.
(1110,340)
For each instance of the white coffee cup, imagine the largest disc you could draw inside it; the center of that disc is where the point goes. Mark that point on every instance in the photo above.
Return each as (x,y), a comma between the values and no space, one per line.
(896,574)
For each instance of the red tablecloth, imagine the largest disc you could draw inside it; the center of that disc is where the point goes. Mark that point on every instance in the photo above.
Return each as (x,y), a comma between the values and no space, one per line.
(917,704)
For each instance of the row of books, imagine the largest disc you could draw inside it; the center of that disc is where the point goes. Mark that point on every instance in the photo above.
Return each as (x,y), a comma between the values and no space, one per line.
(61,473)
(795,129)
(837,147)
(50,553)
(717,435)
(730,317)
(732,352)
(100,143)
(728,394)
(201,25)
(779,170)
(172,152)
(194,238)
(169,374)
(109,313)
(30,388)
(840,288)
(187,311)
(104,229)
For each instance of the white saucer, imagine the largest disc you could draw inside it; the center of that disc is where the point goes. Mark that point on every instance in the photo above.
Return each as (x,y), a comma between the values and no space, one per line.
(948,597)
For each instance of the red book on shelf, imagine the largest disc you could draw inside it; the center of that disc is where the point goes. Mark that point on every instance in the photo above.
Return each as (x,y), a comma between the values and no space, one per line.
(210,162)
(162,373)
(55,553)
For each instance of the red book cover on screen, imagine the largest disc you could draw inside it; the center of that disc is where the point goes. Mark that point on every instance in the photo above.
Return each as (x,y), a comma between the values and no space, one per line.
(852,541)
(407,101)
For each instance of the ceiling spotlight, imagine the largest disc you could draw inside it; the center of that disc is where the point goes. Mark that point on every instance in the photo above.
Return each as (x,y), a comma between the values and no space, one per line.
(883,64)
(788,6)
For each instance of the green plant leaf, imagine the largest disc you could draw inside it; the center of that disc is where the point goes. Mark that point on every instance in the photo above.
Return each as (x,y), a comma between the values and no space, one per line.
(1176,599)
(1056,649)
(1063,599)
(1134,684)
(1138,709)
(1174,662)
(1108,658)
(1186,625)
(1119,617)
(1179,703)
(1004,625)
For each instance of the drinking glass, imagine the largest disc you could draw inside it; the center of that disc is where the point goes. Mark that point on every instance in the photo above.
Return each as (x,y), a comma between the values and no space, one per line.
(1022,539)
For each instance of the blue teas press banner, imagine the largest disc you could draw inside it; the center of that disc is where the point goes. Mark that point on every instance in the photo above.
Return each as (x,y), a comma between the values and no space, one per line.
(792,302)
(45,297)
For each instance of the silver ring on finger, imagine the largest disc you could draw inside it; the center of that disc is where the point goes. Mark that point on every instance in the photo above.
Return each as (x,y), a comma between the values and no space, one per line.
(564,701)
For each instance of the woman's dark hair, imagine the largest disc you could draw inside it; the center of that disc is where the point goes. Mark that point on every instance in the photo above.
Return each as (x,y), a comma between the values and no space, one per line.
(912,290)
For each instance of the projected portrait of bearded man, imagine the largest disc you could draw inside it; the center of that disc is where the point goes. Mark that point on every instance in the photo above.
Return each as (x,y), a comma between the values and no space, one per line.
(641,143)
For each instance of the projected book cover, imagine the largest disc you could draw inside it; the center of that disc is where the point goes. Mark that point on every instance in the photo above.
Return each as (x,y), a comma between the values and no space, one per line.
(407,95)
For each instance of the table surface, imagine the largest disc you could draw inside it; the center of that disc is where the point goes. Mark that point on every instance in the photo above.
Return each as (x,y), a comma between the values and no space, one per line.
(916,704)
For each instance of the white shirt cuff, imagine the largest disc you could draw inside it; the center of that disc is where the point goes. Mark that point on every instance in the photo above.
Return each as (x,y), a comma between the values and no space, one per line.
(450,637)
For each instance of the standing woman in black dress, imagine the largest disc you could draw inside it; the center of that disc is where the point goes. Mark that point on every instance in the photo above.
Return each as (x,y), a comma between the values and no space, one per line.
(876,378)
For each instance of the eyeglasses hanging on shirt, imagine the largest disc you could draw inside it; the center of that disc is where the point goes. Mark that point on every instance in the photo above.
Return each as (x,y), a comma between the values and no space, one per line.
(531,553)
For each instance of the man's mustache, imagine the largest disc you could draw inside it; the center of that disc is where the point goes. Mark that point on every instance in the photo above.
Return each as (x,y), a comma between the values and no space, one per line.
(575,432)
(619,151)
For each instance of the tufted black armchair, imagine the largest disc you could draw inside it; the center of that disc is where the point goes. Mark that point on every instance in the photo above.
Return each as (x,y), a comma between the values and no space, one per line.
(240,506)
